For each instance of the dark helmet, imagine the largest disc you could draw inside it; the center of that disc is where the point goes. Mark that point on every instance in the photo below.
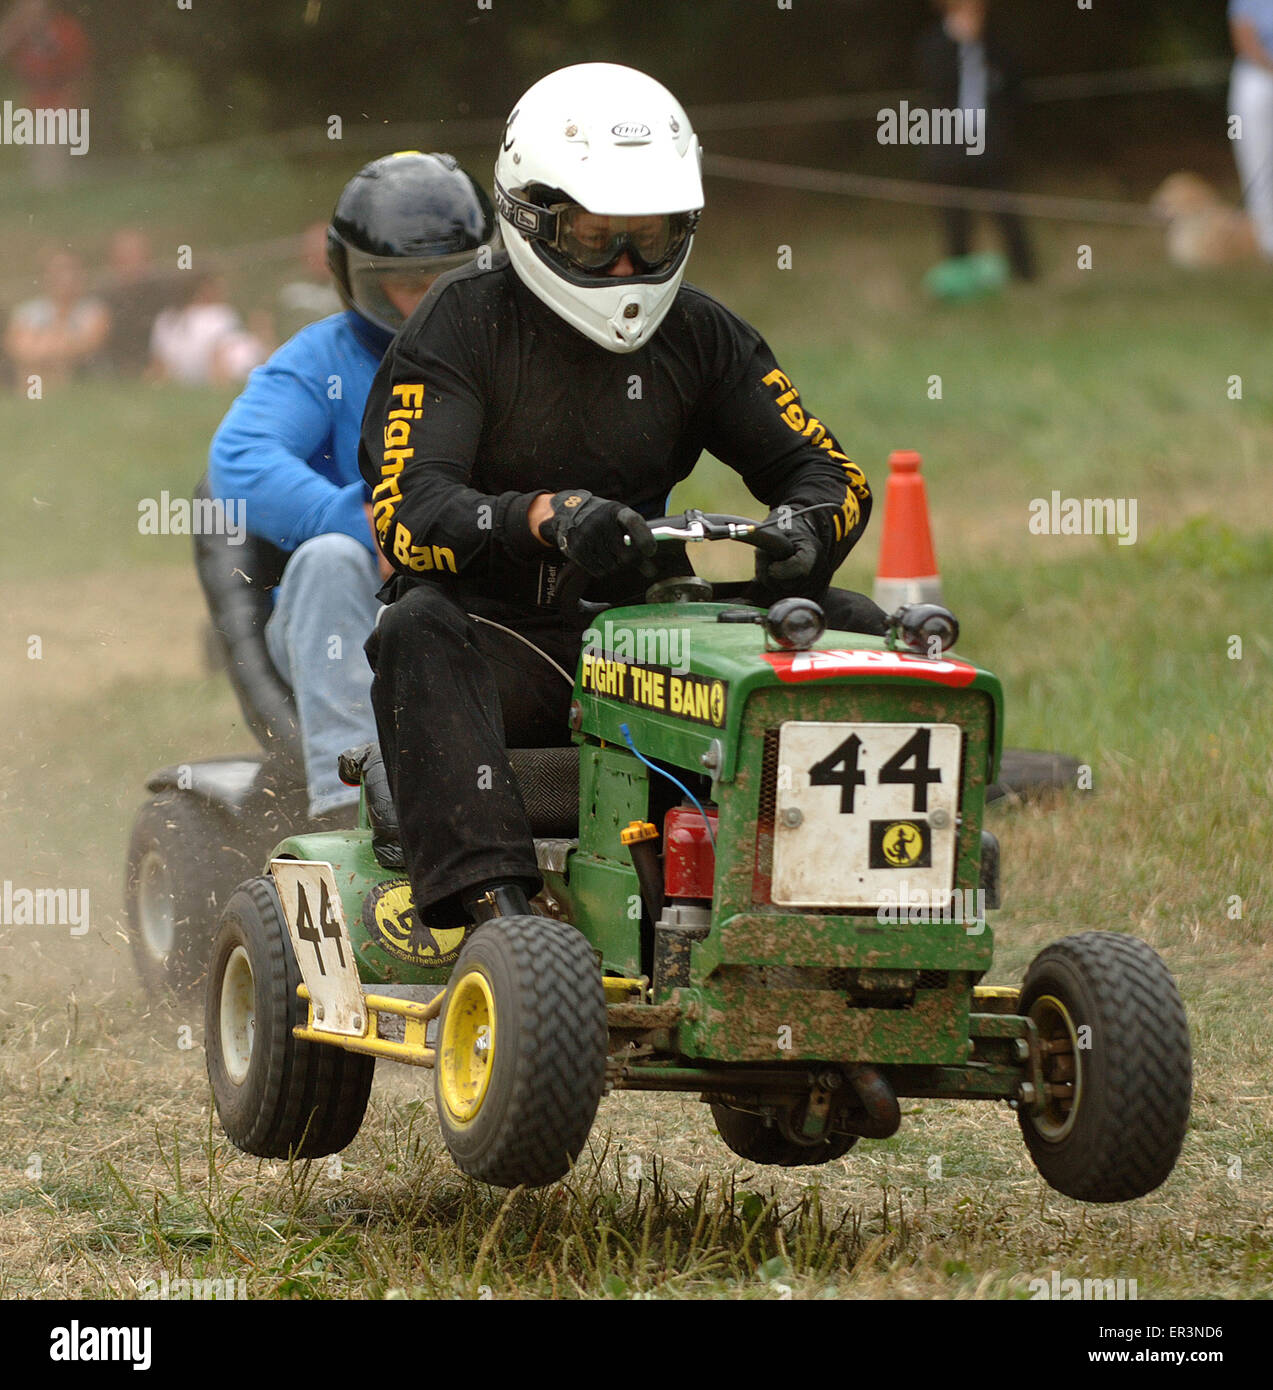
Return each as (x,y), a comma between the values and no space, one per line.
(408,216)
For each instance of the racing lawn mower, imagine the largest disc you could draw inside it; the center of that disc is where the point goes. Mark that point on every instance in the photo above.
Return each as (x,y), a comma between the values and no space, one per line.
(765,869)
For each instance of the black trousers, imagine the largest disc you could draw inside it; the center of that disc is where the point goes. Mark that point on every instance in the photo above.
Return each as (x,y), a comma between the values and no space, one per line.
(1016,240)
(451,692)
(988,173)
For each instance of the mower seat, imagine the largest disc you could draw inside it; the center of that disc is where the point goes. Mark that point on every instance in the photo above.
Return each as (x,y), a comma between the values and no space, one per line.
(237,581)
(547,777)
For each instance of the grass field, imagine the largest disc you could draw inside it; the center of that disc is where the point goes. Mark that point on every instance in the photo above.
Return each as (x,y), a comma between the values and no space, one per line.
(1109,382)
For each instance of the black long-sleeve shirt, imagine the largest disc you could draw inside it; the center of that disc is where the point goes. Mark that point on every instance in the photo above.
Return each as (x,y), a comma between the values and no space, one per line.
(486,399)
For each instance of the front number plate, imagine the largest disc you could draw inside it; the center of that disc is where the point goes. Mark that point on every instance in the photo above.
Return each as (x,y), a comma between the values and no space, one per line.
(320,940)
(862,810)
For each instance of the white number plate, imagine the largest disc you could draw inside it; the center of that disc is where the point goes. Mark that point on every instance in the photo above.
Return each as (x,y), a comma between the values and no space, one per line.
(316,923)
(863,808)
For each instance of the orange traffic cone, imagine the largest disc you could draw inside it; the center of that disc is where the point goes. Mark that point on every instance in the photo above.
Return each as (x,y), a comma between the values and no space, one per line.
(908,567)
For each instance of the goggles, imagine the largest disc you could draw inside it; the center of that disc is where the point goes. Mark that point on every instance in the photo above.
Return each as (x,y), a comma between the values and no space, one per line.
(593,242)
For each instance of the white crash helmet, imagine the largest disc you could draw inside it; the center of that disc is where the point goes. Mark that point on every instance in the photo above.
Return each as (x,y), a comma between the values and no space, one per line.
(597,159)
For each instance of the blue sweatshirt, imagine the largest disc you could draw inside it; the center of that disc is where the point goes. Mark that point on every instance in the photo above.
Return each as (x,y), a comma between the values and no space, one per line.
(289,444)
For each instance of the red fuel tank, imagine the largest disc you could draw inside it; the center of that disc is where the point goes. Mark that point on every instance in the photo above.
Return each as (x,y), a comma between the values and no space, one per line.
(689,861)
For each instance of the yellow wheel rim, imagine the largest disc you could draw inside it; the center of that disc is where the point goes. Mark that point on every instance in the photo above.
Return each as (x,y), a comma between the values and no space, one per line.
(468,1046)
(1062,1068)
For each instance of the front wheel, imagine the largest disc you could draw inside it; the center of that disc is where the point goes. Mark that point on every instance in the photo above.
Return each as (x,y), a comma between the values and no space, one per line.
(276,1096)
(521,1057)
(1117,1067)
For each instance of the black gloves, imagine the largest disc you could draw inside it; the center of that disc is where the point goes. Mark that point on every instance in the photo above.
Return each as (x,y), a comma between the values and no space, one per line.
(788,577)
(590,531)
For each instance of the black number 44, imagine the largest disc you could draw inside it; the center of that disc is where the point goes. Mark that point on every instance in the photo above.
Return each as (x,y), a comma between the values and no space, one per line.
(326,926)
(840,769)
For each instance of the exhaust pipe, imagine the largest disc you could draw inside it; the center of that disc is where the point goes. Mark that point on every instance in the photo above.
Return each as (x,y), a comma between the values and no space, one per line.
(878,1100)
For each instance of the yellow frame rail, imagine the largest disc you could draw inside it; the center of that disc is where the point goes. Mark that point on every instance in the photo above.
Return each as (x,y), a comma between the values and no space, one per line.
(413,1049)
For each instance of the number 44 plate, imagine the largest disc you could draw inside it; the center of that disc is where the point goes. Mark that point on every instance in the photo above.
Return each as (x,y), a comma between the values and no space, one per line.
(320,940)
(863,808)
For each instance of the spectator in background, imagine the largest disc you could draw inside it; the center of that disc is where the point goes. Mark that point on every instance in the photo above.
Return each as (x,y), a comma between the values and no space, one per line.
(963,66)
(204,343)
(307,300)
(135,291)
(50,53)
(1251,100)
(59,334)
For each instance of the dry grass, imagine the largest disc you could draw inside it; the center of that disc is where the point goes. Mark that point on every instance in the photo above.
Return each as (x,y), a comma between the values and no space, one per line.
(136,1178)
(137,1182)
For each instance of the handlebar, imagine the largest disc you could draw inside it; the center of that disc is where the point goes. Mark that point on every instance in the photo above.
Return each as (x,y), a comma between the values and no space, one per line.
(694,525)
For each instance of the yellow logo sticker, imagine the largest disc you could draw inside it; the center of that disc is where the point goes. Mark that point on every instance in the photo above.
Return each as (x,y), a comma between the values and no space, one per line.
(389,914)
(903,844)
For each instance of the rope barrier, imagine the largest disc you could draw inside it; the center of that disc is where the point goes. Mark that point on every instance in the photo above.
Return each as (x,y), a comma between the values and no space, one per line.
(1041,205)
(1199,73)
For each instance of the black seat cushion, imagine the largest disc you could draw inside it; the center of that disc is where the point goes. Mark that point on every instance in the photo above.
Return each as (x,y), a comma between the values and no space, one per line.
(549,782)
(548,779)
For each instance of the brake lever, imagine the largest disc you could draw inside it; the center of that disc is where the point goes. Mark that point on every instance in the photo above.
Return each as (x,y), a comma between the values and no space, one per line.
(691,532)
(700,526)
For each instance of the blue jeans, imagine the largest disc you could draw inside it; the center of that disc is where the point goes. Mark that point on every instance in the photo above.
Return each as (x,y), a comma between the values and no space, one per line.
(324,610)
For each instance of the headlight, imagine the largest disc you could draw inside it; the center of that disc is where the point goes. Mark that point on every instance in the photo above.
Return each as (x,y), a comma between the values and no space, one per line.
(795,623)
(925,628)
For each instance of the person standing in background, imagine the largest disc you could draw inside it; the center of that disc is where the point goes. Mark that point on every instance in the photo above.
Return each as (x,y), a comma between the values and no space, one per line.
(1251,101)
(961,65)
(50,53)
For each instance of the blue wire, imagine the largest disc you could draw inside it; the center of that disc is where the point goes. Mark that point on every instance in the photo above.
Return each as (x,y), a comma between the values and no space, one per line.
(627,738)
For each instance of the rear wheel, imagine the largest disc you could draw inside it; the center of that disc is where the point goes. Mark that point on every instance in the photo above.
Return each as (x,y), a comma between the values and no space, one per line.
(1117,1067)
(184,860)
(758,1139)
(276,1095)
(521,1056)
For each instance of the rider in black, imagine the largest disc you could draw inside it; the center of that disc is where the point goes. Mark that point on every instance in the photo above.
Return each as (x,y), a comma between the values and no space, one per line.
(538,413)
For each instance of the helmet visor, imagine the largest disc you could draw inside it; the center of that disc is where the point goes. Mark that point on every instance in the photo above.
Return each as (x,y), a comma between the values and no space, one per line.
(594,241)
(386,289)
